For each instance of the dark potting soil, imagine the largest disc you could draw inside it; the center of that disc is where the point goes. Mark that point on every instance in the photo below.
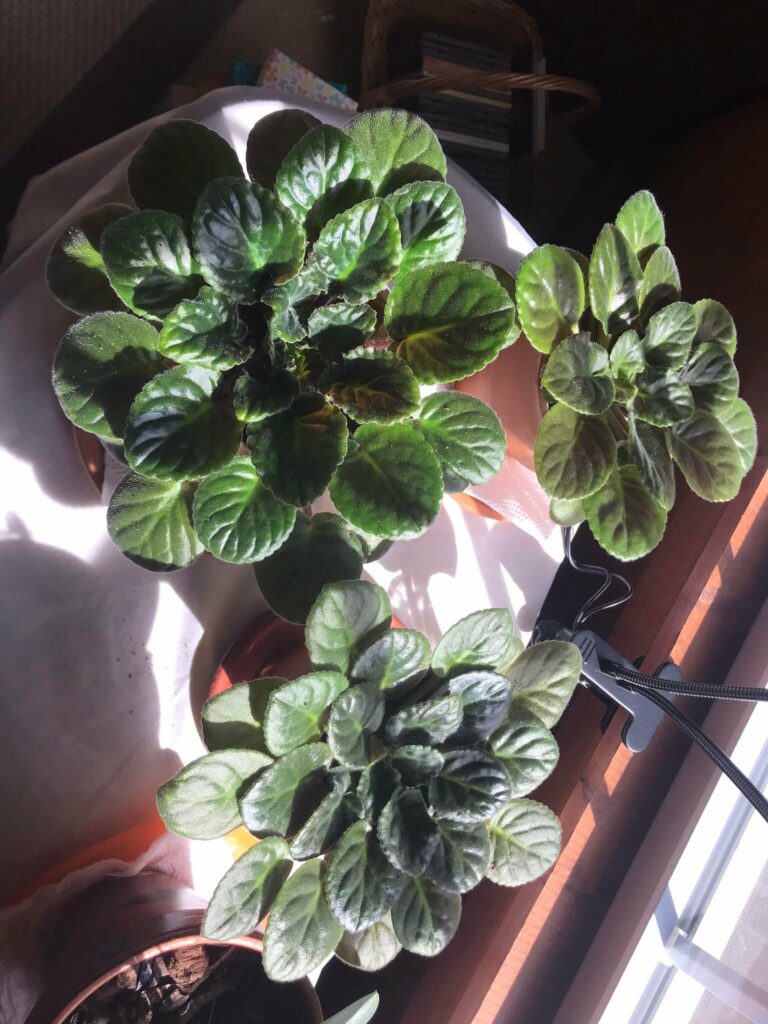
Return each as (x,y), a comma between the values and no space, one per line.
(194,985)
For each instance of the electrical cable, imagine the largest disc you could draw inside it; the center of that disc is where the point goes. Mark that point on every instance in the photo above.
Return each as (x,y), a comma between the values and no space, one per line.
(706,691)
(593,606)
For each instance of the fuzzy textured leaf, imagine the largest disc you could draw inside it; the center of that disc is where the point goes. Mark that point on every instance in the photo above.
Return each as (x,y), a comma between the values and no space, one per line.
(416,764)
(296,711)
(642,223)
(255,400)
(246,891)
(663,398)
(661,283)
(714,323)
(544,678)
(712,377)
(361,884)
(358,251)
(649,453)
(627,358)
(340,327)
(235,717)
(550,296)
(470,788)
(566,511)
(355,714)
(205,331)
(625,519)
(269,806)
(485,696)
(431,221)
(150,521)
(429,721)
(577,375)
(528,751)
(669,335)
(399,148)
(573,454)
(370,949)
(270,141)
(395,662)
(707,456)
(466,434)
(739,421)
(461,857)
(378,389)
(614,280)
(425,918)
(525,841)
(482,640)
(407,833)
(75,271)
(330,820)
(345,619)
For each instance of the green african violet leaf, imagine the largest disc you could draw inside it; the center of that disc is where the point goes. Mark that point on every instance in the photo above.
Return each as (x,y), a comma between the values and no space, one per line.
(301,931)
(296,451)
(662,398)
(544,678)
(372,389)
(321,176)
(360,1012)
(206,331)
(425,918)
(627,358)
(566,511)
(149,262)
(399,148)
(235,717)
(361,884)
(642,223)
(471,787)
(714,323)
(739,421)
(712,377)
(390,483)
(236,517)
(332,818)
(430,721)
(296,712)
(255,400)
(525,842)
(270,806)
(319,551)
(669,335)
(180,426)
(416,764)
(395,662)
(355,714)
(340,327)
(345,619)
(624,518)
(499,274)
(461,857)
(485,639)
(648,451)
(291,304)
(707,456)
(577,375)
(200,801)
(485,696)
(528,751)
(101,364)
(75,271)
(407,833)
(175,163)
(614,280)
(370,949)
(550,296)
(661,283)
(150,521)
(466,434)
(358,251)
(573,454)
(431,220)
(448,320)
(246,891)
(244,240)
(376,787)
(270,141)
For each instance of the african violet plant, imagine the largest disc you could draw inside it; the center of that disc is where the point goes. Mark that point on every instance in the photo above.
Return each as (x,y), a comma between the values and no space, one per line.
(250,342)
(637,382)
(393,778)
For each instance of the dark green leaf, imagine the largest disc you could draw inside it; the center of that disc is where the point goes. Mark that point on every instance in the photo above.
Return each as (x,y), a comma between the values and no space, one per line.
(425,917)
(661,283)
(740,424)
(641,222)
(378,389)
(390,483)
(295,452)
(543,679)
(247,890)
(361,884)
(291,304)
(149,262)
(370,949)
(235,717)
(101,364)
(625,519)
(255,400)
(461,857)
(714,323)
(566,511)
(355,714)
(499,274)
(358,252)
(485,639)
(180,426)
(707,456)
(399,148)
(345,619)
(627,359)
(669,335)
(486,697)
(150,522)
(301,931)
(270,141)
(175,163)
(377,784)
(466,434)
(205,331)
(577,375)
(471,787)
(550,296)
(395,662)
(270,805)
(75,271)
(431,220)
(528,751)
(430,721)
(662,398)
(573,454)
(448,320)
(407,833)
(525,842)
(200,802)
(649,454)
(614,280)
(712,377)
(416,764)
(244,239)
(333,817)
(296,712)
(340,327)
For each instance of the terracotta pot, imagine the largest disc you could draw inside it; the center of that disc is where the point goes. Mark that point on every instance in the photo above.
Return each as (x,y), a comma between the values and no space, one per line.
(91,453)
(122,922)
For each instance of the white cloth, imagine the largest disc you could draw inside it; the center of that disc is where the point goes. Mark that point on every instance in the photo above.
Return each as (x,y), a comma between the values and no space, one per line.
(103,662)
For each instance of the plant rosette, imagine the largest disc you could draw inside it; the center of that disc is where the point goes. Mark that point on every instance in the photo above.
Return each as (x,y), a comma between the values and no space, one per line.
(638,384)
(252,342)
(382,785)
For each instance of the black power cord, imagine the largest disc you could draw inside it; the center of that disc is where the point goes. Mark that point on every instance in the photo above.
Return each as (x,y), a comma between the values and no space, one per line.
(706,691)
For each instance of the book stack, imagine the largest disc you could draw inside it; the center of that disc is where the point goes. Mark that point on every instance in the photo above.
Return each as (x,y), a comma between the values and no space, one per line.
(479,128)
